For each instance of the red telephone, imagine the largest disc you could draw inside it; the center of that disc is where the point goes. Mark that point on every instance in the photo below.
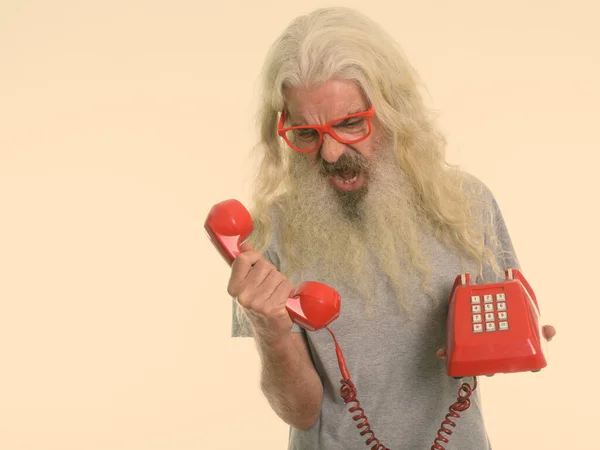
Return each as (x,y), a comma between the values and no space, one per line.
(313,306)
(493,328)
(509,341)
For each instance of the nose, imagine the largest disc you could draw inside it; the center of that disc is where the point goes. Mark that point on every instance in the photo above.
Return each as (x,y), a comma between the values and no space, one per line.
(331,149)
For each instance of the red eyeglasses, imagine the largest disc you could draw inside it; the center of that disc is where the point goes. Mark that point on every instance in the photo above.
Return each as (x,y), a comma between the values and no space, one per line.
(347,130)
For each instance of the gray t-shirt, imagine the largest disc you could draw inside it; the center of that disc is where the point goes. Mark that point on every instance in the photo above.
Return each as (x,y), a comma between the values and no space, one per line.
(401,384)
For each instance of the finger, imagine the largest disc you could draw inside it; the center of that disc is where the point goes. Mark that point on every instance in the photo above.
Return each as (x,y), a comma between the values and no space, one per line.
(441,353)
(279,297)
(283,290)
(246,260)
(270,283)
(246,247)
(253,293)
(259,272)
(240,269)
(269,302)
(549,332)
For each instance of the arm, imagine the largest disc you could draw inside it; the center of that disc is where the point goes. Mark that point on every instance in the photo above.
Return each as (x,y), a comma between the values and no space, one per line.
(289,380)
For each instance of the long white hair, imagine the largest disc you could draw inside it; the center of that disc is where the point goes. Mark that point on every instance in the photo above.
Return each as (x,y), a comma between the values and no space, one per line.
(339,42)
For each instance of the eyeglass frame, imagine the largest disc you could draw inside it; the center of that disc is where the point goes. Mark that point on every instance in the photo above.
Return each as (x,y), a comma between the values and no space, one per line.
(325,128)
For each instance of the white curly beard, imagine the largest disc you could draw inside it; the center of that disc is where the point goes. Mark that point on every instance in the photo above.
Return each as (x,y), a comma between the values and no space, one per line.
(350,235)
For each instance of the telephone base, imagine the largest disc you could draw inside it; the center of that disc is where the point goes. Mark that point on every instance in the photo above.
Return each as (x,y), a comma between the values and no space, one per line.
(493,328)
(471,370)
(510,357)
(459,377)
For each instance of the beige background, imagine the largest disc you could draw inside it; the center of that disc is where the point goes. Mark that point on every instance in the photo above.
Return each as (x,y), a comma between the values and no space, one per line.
(123,122)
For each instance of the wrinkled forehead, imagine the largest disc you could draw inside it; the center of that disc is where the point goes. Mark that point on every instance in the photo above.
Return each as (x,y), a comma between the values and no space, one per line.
(324,102)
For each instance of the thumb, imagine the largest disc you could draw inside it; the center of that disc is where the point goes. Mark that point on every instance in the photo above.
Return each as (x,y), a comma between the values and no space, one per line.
(246,247)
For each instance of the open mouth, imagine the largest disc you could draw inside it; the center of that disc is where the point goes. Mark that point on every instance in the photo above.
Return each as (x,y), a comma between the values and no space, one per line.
(347,181)
(346,178)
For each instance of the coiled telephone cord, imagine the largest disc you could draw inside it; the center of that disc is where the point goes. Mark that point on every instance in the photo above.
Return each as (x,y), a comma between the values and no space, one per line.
(348,393)
(462,404)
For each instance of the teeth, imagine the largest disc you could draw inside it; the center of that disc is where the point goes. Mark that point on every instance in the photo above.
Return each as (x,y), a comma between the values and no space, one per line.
(348,180)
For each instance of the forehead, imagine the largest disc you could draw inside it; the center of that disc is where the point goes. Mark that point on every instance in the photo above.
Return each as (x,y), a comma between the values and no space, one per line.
(328,100)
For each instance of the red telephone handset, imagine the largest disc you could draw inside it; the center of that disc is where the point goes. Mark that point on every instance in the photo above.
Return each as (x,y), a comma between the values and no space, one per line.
(313,306)
(493,328)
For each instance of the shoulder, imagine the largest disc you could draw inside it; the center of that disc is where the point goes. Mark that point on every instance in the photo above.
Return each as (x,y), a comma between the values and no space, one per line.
(479,196)
(475,188)
(483,204)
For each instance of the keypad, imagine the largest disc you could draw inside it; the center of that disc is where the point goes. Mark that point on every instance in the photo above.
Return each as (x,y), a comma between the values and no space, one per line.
(493,316)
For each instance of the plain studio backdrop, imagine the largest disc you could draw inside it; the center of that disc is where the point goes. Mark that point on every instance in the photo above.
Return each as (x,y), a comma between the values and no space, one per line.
(123,122)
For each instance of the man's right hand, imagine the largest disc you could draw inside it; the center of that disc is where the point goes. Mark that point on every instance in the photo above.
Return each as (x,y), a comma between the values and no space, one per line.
(262,291)
(289,379)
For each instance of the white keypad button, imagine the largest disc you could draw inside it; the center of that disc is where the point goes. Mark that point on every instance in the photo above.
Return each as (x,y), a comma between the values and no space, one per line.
(475,299)
(477,328)
(488,307)
(476,318)
(488,298)
(502,315)
(490,326)
(476,308)
(503,325)
(500,297)
(489,317)
(501,306)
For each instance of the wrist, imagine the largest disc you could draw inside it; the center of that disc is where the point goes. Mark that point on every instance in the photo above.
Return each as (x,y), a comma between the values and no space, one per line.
(271,329)
(272,336)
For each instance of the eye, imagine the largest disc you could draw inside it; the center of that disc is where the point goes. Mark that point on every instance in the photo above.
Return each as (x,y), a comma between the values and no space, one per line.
(352,123)
(307,133)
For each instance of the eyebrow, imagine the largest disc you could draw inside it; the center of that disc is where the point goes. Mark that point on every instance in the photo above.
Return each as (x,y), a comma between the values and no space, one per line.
(352,110)
(295,124)
(356,109)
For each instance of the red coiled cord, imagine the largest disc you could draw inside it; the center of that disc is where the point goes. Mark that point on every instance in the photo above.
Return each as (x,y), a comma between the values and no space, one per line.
(463,402)
(348,393)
